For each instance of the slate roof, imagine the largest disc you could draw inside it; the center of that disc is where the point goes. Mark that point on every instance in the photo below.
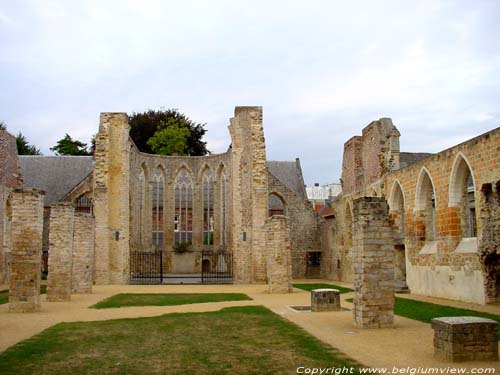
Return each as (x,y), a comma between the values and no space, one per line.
(290,174)
(409,158)
(56,175)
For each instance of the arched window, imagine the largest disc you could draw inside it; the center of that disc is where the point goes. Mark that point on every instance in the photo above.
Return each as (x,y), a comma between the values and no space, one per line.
(157,205)
(83,204)
(425,204)
(141,186)
(398,211)
(208,207)
(183,213)
(276,205)
(462,195)
(223,208)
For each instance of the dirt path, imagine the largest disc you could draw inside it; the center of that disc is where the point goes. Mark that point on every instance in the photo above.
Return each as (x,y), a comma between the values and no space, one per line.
(408,344)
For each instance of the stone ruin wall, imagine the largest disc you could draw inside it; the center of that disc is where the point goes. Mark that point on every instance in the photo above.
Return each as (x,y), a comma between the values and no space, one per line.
(26,250)
(305,227)
(446,273)
(278,254)
(170,166)
(10,178)
(82,273)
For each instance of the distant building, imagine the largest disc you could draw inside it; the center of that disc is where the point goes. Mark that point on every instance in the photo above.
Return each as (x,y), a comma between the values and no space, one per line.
(319,195)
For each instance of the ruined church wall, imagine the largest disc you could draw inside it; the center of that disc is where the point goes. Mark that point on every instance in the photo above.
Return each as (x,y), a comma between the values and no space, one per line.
(304,223)
(448,272)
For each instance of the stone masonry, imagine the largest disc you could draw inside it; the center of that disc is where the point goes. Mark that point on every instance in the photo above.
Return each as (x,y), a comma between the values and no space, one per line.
(83,253)
(465,338)
(60,253)
(279,258)
(325,300)
(27,224)
(373,258)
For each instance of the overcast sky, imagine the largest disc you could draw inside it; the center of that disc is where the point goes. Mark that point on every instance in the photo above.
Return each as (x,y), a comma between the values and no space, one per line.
(322,70)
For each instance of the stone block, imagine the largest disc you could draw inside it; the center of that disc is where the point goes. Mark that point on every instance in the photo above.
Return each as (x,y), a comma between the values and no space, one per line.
(325,300)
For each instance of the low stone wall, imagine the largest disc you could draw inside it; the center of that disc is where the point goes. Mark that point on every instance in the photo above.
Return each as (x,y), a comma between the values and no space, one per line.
(373,257)
(279,257)
(325,300)
(26,254)
(465,338)
(60,252)
(83,254)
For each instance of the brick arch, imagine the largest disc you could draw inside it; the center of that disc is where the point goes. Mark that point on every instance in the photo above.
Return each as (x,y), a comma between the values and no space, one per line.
(396,192)
(460,170)
(424,178)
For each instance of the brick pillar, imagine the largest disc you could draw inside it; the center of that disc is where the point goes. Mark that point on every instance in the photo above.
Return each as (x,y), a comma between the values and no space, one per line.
(83,254)
(26,254)
(279,255)
(60,252)
(373,258)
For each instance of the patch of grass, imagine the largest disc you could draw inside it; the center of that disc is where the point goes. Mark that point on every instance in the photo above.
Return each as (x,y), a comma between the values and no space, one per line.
(239,340)
(425,311)
(167,299)
(309,287)
(4,294)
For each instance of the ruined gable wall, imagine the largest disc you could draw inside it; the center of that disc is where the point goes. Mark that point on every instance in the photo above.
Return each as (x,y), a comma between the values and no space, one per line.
(304,223)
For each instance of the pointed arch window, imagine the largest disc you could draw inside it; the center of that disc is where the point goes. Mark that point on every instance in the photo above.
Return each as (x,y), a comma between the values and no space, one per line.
(208,207)
(157,208)
(141,185)
(223,209)
(183,213)
(426,204)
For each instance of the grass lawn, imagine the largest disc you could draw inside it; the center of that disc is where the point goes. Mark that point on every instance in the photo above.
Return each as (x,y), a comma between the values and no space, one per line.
(310,287)
(425,311)
(167,299)
(4,294)
(237,340)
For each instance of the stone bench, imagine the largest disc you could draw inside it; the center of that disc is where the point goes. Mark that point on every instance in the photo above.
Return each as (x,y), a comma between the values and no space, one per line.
(465,338)
(325,300)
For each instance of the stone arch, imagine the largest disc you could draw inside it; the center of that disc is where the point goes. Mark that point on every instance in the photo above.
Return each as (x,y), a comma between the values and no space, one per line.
(425,204)
(141,211)
(372,192)
(462,194)
(183,166)
(183,206)
(201,172)
(276,204)
(398,216)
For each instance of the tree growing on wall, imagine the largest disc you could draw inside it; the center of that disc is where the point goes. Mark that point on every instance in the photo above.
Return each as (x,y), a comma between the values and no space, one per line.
(70,146)
(2,125)
(23,146)
(144,126)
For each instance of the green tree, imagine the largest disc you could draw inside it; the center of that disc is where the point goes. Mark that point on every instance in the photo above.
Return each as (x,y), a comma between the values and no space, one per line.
(170,139)
(144,125)
(70,146)
(23,146)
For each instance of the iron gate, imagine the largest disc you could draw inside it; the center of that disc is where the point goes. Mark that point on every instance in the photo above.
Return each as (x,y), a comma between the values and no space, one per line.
(150,267)
(216,267)
(146,267)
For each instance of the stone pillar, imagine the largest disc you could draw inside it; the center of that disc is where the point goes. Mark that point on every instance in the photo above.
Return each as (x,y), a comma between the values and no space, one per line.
(111,199)
(279,256)
(373,258)
(60,252)
(26,255)
(83,253)
(249,193)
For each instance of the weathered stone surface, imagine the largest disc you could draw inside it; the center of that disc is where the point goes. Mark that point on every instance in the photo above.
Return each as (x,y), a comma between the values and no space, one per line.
(83,253)
(373,258)
(325,300)
(279,259)
(60,252)
(465,338)
(26,254)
